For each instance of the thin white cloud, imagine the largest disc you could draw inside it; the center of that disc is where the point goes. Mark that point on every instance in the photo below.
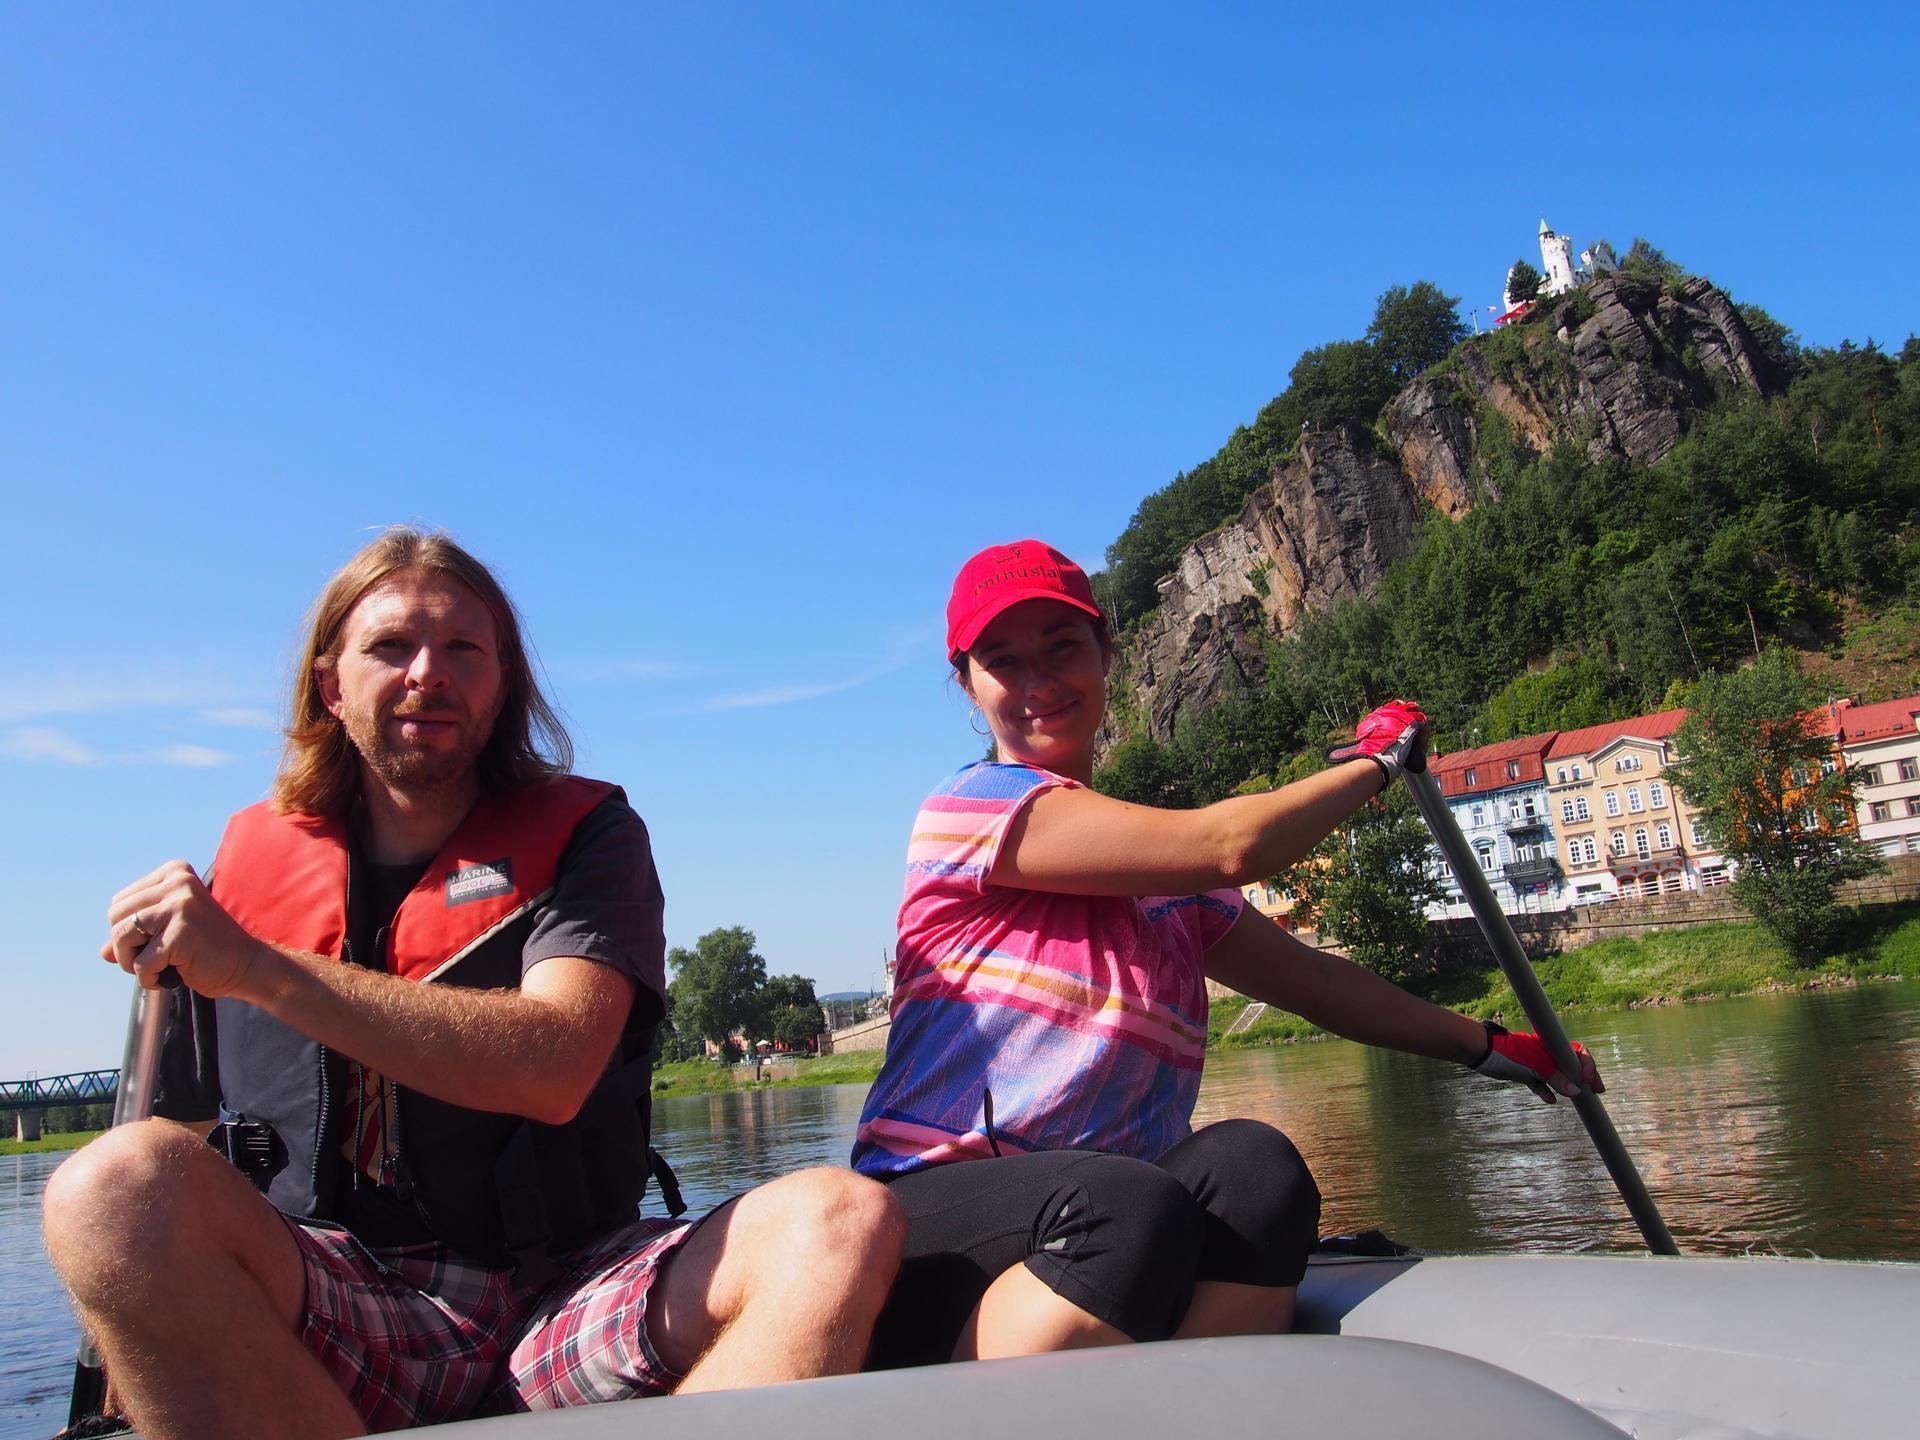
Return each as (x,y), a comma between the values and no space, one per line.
(44,745)
(241,717)
(194,756)
(41,743)
(162,684)
(907,648)
(590,671)
(783,694)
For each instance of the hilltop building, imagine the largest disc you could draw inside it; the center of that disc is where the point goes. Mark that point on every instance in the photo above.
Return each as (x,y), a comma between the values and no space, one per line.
(1556,261)
(1557,275)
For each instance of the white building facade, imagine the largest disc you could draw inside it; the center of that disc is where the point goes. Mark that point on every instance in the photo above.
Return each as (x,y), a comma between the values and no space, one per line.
(1880,745)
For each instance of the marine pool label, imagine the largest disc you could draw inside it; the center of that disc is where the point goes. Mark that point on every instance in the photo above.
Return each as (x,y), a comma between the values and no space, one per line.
(484,881)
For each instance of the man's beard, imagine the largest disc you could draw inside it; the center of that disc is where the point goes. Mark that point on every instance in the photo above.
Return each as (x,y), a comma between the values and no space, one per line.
(417,771)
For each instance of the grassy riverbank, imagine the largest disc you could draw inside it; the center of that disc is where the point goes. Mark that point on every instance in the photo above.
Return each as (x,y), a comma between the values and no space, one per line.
(1705,963)
(49,1140)
(703,1077)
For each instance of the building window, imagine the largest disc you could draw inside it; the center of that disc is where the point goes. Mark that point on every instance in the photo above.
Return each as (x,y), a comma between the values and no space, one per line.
(1663,836)
(1513,769)
(1619,842)
(1613,802)
(1566,811)
(1809,820)
(1576,772)
(1913,807)
(1560,775)
(1640,843)
(1656,795)
(1869,774)
(1573,852)
(1580,810)
(1713,875)
(1446,871)
(1479,815)
(1626,763)
(1486,857)
(1699,834)
(1910,769)
(1633,799)
(1802,775)
(1473,776)
(1880,810)
(1828,764)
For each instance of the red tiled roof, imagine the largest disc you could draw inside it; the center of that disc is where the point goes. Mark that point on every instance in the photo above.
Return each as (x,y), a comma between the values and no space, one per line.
(1528,750)
(1597,737)
(1878,721)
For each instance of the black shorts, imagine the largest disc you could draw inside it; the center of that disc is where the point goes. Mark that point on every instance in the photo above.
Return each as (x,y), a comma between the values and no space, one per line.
(1125,1240)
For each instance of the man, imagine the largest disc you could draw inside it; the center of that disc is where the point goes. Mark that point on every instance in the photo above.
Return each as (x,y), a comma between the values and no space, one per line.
(419,987)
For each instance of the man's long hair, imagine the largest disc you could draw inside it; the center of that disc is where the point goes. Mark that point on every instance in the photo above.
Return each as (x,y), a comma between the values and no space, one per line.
(320,768)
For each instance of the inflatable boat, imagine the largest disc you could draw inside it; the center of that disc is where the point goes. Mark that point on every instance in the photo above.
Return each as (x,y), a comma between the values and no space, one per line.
(1532,1348)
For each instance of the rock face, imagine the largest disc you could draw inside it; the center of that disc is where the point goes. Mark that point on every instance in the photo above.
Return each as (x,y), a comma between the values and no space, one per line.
(1324,528)
(1619,366)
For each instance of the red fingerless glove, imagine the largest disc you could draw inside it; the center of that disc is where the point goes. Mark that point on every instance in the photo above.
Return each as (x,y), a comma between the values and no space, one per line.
(1386,736)
(1523,1057)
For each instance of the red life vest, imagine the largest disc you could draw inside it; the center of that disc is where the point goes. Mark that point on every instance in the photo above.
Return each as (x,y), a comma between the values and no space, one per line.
(284,877)
(493,1186)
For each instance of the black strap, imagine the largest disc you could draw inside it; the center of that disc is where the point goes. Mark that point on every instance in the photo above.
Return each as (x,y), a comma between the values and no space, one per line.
(523,1208)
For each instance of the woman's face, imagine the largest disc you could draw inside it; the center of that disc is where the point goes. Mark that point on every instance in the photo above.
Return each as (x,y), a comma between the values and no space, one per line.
(1039,675)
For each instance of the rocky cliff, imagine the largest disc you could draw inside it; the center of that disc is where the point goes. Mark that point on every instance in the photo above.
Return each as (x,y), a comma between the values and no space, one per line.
(1619,366)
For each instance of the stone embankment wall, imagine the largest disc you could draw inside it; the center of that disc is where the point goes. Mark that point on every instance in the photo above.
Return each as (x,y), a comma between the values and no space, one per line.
(1454,943)
(867,1035)
(1458,942)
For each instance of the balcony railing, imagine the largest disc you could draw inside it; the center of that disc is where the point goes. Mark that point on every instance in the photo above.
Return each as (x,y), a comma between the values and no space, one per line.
(1634,859)
(1525,872)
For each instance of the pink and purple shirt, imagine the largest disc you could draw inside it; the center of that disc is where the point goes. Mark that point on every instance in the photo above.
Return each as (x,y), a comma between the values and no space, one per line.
(1083,1016)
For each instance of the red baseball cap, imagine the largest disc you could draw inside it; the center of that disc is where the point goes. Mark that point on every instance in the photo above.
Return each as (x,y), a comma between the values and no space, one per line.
(1004,575)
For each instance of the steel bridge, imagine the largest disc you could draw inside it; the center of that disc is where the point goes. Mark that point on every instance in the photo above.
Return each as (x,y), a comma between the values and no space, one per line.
(27,1100)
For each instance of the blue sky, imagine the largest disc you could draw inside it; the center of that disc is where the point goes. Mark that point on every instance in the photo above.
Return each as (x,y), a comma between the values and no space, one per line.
(726,332)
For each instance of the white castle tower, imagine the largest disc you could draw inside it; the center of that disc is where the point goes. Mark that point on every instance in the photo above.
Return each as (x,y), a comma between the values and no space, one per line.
(1556,261)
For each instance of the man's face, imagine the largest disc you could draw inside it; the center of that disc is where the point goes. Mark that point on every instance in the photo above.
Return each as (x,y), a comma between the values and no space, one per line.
(418,683)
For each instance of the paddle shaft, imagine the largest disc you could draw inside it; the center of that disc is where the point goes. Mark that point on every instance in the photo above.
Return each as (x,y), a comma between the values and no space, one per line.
(133,1101)
(1519,972)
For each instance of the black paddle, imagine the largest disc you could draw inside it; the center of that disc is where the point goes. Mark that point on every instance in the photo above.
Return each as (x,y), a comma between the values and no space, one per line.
(1519,972)
(133,1101)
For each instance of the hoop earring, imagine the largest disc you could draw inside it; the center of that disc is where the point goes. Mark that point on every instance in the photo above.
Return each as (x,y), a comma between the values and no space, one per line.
(979,714)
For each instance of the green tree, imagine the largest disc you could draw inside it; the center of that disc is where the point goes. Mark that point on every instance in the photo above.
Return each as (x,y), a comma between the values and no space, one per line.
(1756,761)
(1568,696)
(1344,381)
(1141,771)
(1523,282)
(794,1016)
(1414,327)
(719,988)
(1367,886)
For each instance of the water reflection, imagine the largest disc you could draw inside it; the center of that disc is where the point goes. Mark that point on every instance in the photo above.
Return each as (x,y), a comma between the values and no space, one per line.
(1782,1124)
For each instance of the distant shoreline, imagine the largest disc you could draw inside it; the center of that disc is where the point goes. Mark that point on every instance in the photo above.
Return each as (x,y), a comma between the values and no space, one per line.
(50,1141)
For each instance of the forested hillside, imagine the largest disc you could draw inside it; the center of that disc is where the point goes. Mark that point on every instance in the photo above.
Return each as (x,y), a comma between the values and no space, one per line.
(1635,484)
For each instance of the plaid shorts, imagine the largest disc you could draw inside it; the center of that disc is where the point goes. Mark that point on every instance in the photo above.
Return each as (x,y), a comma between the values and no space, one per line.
(418,1335)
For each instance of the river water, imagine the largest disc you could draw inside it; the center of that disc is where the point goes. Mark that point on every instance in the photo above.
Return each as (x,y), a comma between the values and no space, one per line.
(1777,1125)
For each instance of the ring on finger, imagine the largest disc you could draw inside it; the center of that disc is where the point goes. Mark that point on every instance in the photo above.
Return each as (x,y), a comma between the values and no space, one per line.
(139,929)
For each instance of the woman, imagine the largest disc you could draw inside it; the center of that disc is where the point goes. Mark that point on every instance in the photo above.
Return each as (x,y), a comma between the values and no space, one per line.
(1049,1014)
